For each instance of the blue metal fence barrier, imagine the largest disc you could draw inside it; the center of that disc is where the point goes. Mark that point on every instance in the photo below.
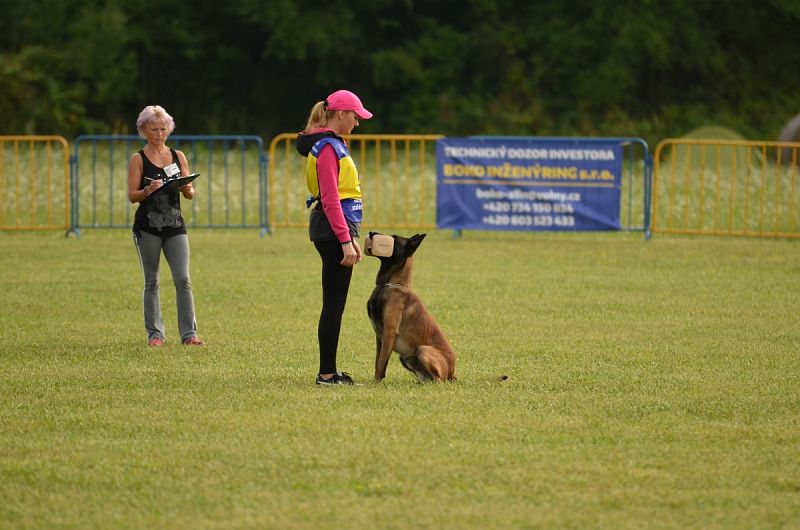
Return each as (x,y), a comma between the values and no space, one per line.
(231,189)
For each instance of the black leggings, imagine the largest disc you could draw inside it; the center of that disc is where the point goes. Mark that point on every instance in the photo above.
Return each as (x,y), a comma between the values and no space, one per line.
(335,284)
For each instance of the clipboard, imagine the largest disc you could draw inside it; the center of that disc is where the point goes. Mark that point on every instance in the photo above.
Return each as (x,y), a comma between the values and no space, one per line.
(172,185)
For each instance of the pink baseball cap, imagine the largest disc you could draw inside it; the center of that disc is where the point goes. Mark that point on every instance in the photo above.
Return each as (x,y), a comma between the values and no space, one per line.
(346,100)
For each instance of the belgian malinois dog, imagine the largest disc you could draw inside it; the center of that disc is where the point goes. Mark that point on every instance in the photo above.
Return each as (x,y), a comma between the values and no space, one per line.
(400,319)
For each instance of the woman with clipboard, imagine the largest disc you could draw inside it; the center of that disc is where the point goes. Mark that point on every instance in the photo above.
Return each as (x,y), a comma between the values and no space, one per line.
(159,226)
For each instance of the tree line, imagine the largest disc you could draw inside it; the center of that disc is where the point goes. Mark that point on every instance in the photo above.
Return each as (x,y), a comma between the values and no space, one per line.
(649,68)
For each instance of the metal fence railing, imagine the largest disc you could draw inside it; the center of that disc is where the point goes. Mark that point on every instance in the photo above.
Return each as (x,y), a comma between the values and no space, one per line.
(714,187)
(398,180)
(726,187)
(231,191)
(34,183)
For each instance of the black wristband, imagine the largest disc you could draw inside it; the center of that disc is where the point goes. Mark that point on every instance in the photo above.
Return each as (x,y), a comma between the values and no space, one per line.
(347,242)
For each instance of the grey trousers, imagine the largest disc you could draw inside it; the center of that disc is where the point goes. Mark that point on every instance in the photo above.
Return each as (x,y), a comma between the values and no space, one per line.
(176,250)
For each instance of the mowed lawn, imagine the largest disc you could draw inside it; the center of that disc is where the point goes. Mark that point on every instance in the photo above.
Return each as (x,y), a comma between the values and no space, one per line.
(650,385)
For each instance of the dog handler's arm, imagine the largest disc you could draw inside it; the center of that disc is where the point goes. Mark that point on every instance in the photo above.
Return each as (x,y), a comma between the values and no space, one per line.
(328,177)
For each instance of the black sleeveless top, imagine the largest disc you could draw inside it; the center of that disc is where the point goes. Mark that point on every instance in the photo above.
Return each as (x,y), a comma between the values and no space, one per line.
(160,213)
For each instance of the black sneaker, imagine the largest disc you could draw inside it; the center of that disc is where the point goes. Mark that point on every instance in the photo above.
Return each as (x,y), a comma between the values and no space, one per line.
(339,378)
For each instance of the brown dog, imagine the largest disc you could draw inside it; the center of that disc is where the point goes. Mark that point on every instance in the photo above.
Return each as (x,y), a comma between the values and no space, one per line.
(401,321)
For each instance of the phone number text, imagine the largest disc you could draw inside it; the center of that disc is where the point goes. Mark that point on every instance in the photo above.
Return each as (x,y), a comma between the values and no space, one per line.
(529,220)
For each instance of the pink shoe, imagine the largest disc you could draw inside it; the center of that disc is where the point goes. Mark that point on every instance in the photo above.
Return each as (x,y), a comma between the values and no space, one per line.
(155,341)
(193,341)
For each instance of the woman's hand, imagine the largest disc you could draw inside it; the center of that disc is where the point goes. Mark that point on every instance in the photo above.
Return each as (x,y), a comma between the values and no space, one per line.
(187,190)
(153,186)
(352,253)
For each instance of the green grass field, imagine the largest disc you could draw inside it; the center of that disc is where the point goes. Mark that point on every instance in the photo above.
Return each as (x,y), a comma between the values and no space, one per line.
(651,385)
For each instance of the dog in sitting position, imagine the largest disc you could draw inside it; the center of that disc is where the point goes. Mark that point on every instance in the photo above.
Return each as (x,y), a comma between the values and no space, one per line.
(400,319)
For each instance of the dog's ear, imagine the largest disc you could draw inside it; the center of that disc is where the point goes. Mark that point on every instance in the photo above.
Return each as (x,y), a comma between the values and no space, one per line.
(413,243)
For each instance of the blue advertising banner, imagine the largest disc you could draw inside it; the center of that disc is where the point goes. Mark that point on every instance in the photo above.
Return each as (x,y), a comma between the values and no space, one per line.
(528,184)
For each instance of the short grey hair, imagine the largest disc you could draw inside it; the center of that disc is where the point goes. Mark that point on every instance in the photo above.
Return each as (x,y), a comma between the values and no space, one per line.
(151,113)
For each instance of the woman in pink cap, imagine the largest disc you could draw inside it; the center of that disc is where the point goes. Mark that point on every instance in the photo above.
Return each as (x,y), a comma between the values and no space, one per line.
(335,219)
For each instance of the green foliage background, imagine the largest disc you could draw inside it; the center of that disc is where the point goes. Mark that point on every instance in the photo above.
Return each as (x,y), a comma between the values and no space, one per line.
(589,67)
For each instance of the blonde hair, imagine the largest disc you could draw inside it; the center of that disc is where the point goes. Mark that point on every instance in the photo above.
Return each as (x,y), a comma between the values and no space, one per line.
(319,116)
(151,113)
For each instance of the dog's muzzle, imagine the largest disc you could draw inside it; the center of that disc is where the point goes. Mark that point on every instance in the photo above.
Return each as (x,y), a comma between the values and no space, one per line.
(379,245)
